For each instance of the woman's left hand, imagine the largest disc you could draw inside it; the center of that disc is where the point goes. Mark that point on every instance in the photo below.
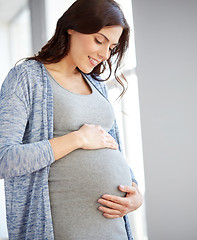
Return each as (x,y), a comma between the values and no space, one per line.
(115,206)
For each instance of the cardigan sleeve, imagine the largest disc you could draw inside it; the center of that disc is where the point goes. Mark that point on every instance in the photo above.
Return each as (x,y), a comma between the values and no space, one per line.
(17,158)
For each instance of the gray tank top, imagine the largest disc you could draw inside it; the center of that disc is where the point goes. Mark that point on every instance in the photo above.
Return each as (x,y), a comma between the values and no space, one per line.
(79,179)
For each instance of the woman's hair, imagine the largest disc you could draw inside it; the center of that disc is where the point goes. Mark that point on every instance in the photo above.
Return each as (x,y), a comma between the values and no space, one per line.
(88,17)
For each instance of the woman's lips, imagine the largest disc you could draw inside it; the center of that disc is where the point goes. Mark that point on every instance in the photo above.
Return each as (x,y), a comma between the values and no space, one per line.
(93,61)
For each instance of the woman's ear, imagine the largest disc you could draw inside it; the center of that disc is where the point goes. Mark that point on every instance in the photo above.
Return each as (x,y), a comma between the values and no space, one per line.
(70,31)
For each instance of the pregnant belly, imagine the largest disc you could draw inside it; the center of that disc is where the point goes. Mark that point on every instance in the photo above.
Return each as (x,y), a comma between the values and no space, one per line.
(97,171)
(76,182)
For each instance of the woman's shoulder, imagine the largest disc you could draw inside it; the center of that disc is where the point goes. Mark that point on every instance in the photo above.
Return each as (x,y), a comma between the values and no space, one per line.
(22,75)
(26,68)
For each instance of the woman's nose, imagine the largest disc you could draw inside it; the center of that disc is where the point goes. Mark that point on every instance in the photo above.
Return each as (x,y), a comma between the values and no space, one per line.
(104,53)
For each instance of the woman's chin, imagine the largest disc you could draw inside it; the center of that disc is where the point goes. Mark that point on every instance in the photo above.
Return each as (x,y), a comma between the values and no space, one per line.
(86,70)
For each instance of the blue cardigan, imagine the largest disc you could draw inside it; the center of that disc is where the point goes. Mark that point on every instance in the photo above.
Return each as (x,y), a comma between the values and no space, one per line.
(26,125)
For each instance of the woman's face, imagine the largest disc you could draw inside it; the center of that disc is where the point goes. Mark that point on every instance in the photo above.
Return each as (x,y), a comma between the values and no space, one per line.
(88,50)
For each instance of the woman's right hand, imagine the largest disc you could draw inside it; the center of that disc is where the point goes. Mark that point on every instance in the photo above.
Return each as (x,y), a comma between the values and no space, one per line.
(95,137)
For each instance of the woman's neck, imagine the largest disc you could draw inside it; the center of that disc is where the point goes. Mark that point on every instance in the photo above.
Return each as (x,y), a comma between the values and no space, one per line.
(63,67)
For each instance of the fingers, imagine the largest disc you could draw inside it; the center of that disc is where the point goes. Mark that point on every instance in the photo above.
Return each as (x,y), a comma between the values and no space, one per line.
(113,199)
(95,137)
(111,209)
(110,216)
(107,136)
(111,141)
(111,145)
(127,189)
(109,204)
(113,206)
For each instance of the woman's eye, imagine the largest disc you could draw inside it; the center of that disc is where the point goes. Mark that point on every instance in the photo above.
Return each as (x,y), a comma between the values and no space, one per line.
(97,41)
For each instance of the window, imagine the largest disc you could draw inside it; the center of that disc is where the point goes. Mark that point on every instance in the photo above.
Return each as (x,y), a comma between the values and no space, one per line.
(20,36)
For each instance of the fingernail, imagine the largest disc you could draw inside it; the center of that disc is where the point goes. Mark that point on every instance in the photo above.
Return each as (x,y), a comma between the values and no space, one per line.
(121,186)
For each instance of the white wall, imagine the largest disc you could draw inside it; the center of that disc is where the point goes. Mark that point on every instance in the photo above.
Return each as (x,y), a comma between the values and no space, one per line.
(166,49)
(4,50)
(53,12)
(5,64)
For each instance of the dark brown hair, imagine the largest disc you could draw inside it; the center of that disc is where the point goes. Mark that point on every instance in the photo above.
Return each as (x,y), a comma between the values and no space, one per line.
(88,16)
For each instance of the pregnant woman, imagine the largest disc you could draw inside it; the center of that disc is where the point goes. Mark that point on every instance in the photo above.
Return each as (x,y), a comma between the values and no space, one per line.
(60,154)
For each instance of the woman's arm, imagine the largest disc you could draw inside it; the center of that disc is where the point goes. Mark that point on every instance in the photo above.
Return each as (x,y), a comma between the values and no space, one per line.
(87,137)
(17,158)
